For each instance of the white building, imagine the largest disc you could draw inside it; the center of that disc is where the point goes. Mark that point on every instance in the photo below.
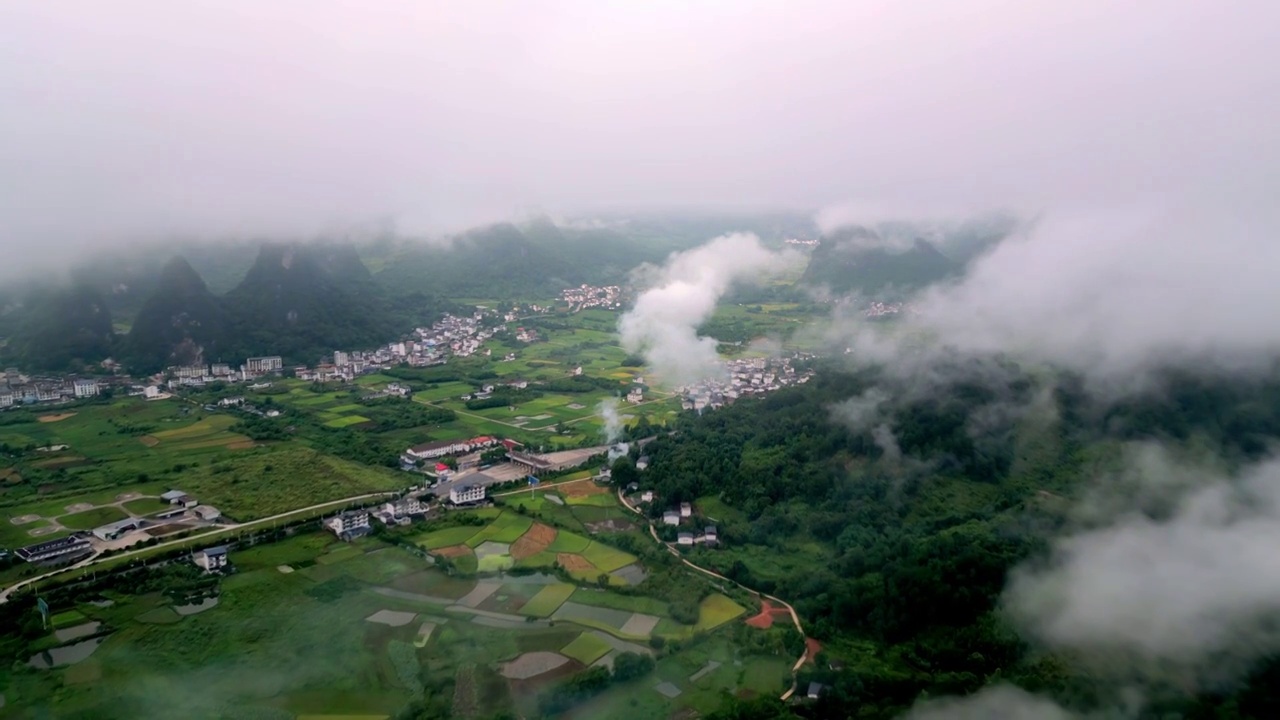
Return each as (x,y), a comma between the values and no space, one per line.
(212,559)
(635,395)
(208,513)
(6,399)
(463,494)
(341,358)
(261,365)
(350,524)
(671,517)
(404,506)
(685,510)
(85,388)
(685,538)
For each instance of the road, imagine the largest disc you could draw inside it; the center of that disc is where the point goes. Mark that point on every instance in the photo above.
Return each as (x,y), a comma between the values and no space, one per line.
(97,558)
(795,617)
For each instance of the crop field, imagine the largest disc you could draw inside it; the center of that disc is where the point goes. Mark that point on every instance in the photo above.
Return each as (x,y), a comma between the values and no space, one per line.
(548,600)
(347,421)
(586,648)
(447,537)
(607,558)
(567,542)
(506,528)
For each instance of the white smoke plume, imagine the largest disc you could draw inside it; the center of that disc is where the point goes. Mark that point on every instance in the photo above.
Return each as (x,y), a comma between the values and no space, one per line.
(608,410)
(683,294)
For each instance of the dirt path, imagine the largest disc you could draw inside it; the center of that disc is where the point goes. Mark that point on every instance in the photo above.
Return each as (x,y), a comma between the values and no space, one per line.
(795,618)
(97,558)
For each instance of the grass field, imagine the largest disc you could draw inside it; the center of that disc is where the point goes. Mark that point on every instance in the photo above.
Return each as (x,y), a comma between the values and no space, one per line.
(586,648)
(567,542)
(447,537)
(548,600)
(90,519)
(347,421)
(716,610)
(627,603)
(606,558)
(146,506)
(506,528)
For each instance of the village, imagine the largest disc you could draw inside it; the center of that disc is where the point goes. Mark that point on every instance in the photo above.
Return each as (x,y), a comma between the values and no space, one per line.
(608,297)
(744,377)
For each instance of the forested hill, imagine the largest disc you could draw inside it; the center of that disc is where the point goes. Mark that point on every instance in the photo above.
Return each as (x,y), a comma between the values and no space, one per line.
(60,329)
(179,324)
(890,513)
(297,300)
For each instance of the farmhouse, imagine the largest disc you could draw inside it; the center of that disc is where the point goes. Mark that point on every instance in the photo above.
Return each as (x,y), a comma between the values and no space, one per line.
(212,559)
(405,506)
(467,494)
(671,517)
(815,690)
(642,463)
(710,536)
(177,497)
(208,513)
(685,538)
(686,510)
(113,531)
(349,525)
(646,496)
(62,549)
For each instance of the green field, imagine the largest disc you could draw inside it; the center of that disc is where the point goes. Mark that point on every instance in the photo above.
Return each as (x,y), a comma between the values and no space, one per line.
(347,421)
(586,648)
(547,600)
(716,610)
(146,506)
(606,558)
(447,537)
(506,528)
(567,542)
(90,519)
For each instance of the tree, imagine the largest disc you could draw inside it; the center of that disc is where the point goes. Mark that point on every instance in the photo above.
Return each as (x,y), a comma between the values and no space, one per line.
(630,665)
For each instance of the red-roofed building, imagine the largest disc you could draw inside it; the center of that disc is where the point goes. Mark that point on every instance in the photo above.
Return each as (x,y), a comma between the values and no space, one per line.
(441,467)
(511,444)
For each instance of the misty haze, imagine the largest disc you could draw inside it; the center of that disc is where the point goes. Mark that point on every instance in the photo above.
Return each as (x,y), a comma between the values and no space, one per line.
(567,359)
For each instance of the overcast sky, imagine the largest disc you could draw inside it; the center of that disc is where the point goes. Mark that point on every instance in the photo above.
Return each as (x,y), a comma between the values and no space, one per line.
(136,118)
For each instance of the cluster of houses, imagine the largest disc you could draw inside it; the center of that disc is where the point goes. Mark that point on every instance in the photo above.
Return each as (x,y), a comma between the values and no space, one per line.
(676,517)
(608,297)
(881,310)
(351,524)
(753,376)
(18,389)
(201,375)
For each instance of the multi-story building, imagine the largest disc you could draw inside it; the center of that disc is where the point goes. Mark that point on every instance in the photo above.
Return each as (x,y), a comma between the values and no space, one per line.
(263,365)
(350,524)
(6,399)
(465,494)
(212,559)
(341,358)
(84,388)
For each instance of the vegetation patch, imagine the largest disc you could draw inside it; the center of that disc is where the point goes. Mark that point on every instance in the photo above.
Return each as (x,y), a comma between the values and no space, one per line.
(567,542)
(607,558)
(574,562)
(58,417)
(548,600)
(716,610)
(90,519)
(586,648)
(506,528)
(347,421)
(159,616)
(146,506)
(445,537)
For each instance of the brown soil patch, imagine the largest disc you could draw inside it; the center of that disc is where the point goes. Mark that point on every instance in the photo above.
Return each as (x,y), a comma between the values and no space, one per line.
(55,418)
(811,649)
(538,538)
(581,488)
(149,440)
(573,561)
(767,615)
(241,445)
(452,551)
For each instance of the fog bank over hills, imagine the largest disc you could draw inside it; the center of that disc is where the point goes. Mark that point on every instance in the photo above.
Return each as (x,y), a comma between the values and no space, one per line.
(154,119)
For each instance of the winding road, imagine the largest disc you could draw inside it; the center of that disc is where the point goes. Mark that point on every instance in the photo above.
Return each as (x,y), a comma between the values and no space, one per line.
(795,618)
(97,557)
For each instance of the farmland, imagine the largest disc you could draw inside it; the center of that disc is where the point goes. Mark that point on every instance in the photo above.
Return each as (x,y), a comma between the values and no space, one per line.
(377,623)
